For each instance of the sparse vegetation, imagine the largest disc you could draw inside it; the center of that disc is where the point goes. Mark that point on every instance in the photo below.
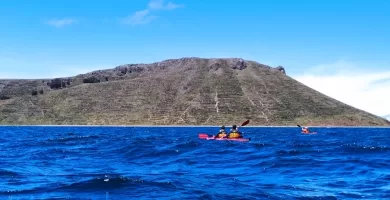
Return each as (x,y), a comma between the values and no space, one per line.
(2,97)
(190,91)
(55,83)
(91,80)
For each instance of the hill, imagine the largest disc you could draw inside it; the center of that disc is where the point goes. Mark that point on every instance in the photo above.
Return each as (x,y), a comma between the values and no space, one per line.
(186,91)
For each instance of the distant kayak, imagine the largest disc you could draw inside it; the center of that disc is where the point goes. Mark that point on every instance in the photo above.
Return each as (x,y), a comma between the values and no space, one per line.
(207,137)
(309,133)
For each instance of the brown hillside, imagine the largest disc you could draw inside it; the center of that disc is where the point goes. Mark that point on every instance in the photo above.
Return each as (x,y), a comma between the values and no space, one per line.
(187,91)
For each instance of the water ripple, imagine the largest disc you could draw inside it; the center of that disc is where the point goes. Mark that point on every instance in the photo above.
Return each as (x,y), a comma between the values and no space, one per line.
(172,163)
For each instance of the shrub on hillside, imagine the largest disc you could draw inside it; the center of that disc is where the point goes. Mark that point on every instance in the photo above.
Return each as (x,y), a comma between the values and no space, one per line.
(3,97)
(91,79)
(55,83)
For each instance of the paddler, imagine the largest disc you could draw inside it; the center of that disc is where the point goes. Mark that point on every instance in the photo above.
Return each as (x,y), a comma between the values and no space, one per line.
(234,133)
(222,133)
(305,130)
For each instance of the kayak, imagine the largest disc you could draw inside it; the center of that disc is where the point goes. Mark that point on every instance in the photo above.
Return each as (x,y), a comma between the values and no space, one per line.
(309,133)
(207,137)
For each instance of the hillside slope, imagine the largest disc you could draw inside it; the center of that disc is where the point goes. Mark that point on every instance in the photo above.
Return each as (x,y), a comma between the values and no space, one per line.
(187,91)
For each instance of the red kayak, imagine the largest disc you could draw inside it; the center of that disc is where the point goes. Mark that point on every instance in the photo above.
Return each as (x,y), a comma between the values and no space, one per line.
(207,137)
(309,133)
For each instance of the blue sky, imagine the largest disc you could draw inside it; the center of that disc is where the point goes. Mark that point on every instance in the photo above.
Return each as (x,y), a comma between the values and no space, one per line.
(45,39)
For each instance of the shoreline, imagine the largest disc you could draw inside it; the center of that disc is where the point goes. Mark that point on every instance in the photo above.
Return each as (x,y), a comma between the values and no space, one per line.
(187,126)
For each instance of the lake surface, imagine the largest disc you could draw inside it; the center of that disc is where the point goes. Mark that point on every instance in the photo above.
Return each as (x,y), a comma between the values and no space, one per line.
(173,163)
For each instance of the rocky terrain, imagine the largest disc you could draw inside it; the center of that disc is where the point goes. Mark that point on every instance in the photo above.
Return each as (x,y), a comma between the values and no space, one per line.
(186,91)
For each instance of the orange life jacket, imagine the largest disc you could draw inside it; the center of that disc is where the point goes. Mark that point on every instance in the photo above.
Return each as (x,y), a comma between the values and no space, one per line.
(221,135)
(234,134)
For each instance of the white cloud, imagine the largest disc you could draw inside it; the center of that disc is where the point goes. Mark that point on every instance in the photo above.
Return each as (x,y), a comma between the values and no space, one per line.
(139,17)
(351,84)
(387,117)
(161,5)
(146,16)
(59,23)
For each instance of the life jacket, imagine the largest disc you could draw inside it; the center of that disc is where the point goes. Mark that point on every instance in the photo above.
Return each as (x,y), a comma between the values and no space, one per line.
(234,134)
(221,134)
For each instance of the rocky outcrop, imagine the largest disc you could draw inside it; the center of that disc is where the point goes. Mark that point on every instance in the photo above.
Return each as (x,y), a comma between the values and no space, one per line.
(280,68)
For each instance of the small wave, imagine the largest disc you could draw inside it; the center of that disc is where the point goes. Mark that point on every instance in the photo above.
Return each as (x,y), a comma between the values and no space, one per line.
(116,182)
(351,195)
(233,196)
(337,184)
(70,139)
(302,145)
(187,145)
(356,148)
(297,152)
(262,145)
(6,173)
(159,153)
(387,177)
(316,197)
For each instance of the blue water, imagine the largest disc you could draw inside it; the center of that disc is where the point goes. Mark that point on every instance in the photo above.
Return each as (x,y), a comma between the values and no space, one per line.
(172,163)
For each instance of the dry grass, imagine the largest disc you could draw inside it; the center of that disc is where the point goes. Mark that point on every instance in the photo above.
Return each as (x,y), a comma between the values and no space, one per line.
(188,91)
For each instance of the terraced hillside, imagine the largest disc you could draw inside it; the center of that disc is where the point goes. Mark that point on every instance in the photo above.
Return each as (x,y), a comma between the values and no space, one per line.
(187,91)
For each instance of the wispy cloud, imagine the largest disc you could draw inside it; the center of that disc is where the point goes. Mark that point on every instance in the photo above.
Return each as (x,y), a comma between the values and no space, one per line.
(387,117)
(146,16)
(351,84)
(139,17)
(161,5)
(59,23)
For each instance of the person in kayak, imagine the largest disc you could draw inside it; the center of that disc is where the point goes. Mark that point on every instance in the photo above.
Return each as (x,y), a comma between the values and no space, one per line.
(305,130)
(234,133)
(222,133)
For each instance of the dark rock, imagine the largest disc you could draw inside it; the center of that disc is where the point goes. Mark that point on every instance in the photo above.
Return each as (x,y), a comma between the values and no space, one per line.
(2,97)
(238,63)
(215,66)
(281,68)
(91,79)
(55,83)
(121,70)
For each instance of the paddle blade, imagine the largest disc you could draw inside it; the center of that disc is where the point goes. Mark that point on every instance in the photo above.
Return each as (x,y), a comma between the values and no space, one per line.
(203,135)
(245,123)
(299,125)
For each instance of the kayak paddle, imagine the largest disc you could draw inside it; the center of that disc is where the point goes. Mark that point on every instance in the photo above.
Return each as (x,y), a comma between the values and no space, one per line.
(245,123)
(203,135)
